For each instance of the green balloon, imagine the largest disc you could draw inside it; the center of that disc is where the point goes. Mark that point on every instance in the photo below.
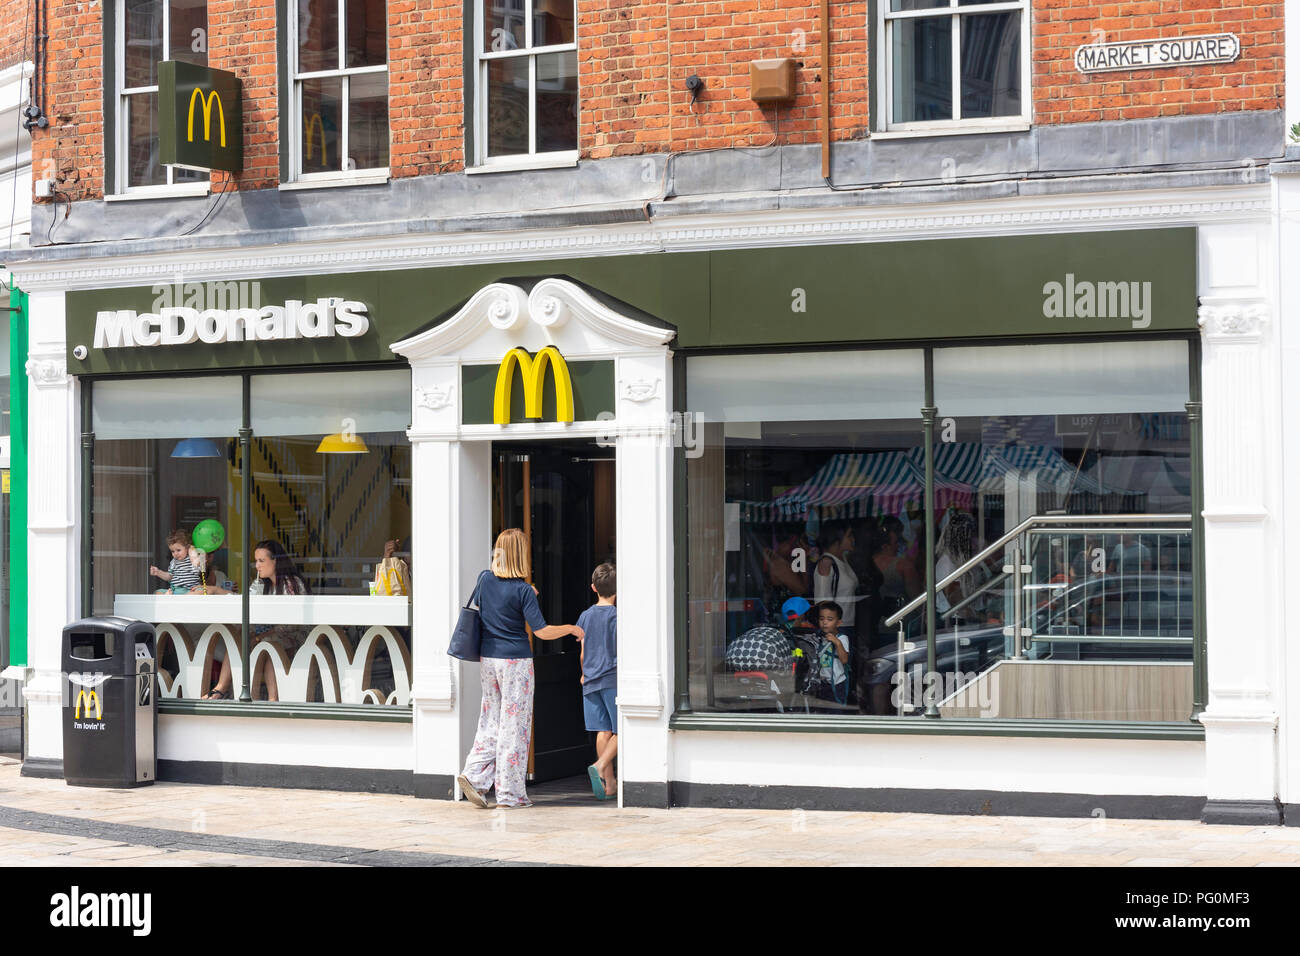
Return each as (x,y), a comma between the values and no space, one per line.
(208,535)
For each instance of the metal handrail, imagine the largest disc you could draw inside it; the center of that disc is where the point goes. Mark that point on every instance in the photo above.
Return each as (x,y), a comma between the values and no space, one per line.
(1030,522)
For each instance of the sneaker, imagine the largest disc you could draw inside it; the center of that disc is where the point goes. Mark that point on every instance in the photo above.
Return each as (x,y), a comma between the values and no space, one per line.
(472,795)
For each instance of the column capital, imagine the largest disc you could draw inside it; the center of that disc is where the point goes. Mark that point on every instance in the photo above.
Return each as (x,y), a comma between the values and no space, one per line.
(1228,320)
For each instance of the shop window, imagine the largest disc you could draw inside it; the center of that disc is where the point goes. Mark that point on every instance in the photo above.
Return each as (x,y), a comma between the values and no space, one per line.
(1070,465)
(952,63)
(331,490)
(330,499)
(526,83)
(339,64)
(147,32)
(166,460)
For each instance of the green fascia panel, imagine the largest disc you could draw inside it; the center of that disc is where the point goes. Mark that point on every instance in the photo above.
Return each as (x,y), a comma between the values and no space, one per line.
(593,393)
(1106,283)
(955,288)
(17,477)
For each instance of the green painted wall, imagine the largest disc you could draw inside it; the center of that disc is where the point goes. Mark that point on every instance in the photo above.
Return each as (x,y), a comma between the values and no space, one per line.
(17,477)
(861,292)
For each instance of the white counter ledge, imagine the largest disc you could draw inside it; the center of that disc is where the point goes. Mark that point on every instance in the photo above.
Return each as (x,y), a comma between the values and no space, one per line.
(310,609)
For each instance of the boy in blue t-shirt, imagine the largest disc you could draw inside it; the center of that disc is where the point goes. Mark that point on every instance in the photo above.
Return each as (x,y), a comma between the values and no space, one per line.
(600,678)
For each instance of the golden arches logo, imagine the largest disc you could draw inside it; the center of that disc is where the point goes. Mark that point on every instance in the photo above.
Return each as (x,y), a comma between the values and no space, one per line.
(315,122)
(91,699)
(207,101)
(533,368)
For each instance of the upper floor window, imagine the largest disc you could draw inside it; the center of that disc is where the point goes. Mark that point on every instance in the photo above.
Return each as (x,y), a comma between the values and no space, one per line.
(339,57)
(954,62)
(527,80)
(148,32)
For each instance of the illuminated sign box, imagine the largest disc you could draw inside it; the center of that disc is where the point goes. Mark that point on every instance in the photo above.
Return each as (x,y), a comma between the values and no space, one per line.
(201,118)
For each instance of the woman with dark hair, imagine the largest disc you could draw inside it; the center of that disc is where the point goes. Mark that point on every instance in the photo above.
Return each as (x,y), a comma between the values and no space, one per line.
(276,574)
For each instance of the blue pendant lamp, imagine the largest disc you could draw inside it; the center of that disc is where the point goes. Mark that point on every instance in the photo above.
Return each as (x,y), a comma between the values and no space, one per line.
(197,448)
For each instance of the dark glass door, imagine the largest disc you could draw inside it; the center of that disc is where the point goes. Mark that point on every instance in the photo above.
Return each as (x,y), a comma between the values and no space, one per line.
(561,493)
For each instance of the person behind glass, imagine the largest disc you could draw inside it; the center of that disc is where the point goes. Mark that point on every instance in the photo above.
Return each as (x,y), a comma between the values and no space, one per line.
(506,603)
(181,575)
(276,574)
(834,578)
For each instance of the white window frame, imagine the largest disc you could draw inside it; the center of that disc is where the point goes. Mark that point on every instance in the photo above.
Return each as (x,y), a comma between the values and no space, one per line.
(532,159)
(340,176)
(885,19)
(122,167)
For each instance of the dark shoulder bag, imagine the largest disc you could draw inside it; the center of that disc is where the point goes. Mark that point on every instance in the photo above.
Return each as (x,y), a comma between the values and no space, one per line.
(467,638)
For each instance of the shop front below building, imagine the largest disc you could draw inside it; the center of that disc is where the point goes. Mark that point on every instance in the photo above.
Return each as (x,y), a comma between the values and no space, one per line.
(762,440)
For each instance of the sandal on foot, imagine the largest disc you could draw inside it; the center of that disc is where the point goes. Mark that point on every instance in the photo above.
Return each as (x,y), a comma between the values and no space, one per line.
(215,694)
(472,795)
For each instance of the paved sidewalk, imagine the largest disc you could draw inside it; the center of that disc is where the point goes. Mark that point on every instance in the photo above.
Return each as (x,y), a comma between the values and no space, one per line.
(46,822)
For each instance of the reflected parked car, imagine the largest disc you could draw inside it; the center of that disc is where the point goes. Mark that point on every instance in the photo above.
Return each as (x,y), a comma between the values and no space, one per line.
(1097,611)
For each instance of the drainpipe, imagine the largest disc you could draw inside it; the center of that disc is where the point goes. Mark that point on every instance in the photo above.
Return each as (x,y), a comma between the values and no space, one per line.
(826,88)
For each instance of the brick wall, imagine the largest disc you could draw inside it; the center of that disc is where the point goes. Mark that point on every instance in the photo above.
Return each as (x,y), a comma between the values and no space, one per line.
(1063,95)
(14,14)
(633,60)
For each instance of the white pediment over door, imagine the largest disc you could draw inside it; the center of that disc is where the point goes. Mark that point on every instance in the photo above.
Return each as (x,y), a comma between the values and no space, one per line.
(533,315)
(557,312)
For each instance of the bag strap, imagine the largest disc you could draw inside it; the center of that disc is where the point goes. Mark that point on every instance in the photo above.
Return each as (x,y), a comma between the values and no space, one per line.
(473,598)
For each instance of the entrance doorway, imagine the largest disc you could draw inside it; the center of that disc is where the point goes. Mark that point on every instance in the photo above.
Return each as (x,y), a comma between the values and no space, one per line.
(561,493)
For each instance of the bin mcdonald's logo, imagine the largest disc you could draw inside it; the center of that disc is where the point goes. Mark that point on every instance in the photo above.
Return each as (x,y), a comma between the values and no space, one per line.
(315,122)
(91,699)
(533,368)
(207,101)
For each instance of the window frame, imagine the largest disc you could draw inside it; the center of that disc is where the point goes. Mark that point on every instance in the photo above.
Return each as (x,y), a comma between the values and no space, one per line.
(684,716)
(233,707)
(117,168)
(533,159)
(292,131)
(882,28)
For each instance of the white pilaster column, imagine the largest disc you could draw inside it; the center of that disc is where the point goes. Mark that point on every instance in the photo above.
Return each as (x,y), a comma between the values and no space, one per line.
(645,576)
(450,544)
(1242,531)
(53,546)
(1286,195)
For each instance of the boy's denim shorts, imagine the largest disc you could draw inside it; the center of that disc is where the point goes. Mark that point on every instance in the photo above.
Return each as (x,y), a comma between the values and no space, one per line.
(600,711)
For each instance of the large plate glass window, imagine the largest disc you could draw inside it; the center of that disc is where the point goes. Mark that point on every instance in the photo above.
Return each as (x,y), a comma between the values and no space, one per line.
(527,59)
(1089,445)
(166,480)
(806,485)
(340,88)
(331,490)
(954,63)
(1062,482)
(150,31)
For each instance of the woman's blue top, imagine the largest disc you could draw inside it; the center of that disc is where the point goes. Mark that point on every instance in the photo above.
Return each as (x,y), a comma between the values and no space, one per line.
(505,604)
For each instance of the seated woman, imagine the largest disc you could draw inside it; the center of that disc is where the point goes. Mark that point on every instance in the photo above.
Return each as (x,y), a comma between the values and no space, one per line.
(276,574)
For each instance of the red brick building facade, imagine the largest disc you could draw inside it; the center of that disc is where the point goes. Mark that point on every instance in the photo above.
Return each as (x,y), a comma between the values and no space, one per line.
(633,60)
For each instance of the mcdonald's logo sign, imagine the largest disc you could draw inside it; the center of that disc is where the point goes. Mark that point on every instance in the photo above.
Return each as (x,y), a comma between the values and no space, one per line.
(533,369)
(314,122)
(91,699)
(214,97)
(200,117)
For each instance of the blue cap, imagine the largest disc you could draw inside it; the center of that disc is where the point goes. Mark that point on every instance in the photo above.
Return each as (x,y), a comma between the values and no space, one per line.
(795,608)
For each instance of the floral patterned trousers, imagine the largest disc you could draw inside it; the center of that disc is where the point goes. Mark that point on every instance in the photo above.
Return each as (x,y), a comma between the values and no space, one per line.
(505,724)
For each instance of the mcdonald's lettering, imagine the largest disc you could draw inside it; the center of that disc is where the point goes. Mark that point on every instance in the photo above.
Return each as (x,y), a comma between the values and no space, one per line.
(533,368)
(207,101)
(91,699)
(314,122)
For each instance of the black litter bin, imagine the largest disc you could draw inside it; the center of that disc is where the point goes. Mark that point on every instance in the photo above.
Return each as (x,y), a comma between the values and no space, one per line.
(110,712)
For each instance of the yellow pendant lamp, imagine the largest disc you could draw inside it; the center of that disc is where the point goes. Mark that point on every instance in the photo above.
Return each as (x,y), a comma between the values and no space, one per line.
(342,443)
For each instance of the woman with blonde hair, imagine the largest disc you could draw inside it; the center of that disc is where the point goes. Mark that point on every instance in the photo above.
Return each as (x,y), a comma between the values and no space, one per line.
(506,603)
